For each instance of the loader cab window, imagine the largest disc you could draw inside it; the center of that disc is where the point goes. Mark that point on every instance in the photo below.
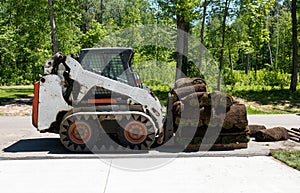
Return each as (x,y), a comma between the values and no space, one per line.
(115,69)
(114,64)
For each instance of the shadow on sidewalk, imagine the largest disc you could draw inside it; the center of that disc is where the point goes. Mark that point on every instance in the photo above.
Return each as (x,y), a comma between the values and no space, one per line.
(51,145)
(54,146)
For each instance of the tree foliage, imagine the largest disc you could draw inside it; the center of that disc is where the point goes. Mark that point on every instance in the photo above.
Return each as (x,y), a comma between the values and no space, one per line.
(257,34)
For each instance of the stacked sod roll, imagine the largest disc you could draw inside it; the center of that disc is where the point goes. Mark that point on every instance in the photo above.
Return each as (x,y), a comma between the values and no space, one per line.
(207,114)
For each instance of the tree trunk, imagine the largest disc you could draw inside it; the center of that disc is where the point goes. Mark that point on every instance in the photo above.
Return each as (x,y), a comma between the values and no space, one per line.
(227,2)
(270,53)
(277,44)
(101,12)
(55,47)
(202,38)
(270,34)
(242,59)
(247,63)
(181,47)
(294,79)
(230,59)
(256,63)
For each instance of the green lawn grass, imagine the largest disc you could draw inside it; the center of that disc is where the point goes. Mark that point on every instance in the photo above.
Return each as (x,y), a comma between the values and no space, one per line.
(260,95)
(289,157)
(251,111)
(8,93)
(271,100)
(266,95)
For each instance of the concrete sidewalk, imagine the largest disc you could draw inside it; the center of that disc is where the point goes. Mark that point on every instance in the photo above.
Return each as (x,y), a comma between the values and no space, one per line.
(38,163)
(205,174)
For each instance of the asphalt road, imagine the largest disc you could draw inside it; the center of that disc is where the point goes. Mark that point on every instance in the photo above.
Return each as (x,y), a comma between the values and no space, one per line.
(33,162)
(286,120)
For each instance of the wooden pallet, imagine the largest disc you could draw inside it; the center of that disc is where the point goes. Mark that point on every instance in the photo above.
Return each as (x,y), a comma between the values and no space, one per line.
(294,134)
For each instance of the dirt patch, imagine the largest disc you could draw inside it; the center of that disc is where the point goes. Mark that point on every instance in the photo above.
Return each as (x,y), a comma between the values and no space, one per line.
(17,107)
(282,106)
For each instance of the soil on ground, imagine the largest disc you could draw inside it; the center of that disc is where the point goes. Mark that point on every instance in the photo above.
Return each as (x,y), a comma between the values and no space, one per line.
(279,107)
(17,107)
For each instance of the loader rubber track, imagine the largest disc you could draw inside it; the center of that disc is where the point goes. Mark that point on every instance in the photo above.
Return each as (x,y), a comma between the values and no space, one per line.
(83,132)
(132,140)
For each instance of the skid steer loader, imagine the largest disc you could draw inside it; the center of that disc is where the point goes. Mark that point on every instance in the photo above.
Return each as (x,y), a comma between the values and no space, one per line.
(94,99)
(96,102)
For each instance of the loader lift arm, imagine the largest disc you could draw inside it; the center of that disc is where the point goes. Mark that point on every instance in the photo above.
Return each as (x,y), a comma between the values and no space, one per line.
(88,80)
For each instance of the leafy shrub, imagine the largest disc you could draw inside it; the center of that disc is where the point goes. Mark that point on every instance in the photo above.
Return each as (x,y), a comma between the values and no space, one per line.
(264,77)
(162,72)
(157,85)
(274,78)
(160,89)
(231,77)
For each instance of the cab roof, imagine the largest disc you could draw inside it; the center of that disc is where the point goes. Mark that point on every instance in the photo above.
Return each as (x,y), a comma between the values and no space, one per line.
(111,50)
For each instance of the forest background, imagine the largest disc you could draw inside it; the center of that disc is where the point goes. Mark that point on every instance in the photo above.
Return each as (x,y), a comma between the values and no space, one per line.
(252,41)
